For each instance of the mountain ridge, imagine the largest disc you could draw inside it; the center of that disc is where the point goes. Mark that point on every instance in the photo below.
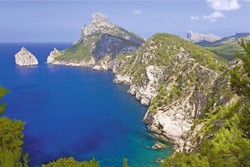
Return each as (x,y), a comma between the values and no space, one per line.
(197,37)
(99,39)
(226,46)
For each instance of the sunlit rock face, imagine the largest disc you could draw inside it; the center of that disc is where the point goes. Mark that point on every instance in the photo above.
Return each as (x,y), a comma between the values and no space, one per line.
(25,58)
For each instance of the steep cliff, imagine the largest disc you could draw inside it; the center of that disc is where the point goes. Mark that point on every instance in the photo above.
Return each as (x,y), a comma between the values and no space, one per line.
(99,39)
(197,37)
(221,136)
(25,58)
(174,78)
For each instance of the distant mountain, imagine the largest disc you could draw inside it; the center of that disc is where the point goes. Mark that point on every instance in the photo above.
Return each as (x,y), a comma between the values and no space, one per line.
(227,46)
(197,37)
(100,41)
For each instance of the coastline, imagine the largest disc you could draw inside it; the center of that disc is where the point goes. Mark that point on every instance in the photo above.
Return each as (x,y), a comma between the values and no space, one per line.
(126,81)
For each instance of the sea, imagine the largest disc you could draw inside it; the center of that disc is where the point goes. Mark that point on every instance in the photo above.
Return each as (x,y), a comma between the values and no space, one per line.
(74,112)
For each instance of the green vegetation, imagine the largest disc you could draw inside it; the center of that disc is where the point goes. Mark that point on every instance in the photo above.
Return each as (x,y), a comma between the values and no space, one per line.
(71,162)
(164,97)
(182,160)
(223,140)
(240,77)
(2,93)
(11,140)
(171,45)
(226,51)
(226,47)
(121,32)
(225,136)
(75,53)
(162,50)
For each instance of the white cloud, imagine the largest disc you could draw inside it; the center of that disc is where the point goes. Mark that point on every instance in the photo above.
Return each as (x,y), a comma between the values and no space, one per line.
(137,12)
(213,17)
(224,5)
(218,6)
(194,17)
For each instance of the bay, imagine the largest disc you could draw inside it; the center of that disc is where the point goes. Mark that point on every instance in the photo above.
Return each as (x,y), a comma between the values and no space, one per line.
(74,112)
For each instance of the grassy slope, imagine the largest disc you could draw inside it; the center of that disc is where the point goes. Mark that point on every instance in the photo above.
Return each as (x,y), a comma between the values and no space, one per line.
(161,50)
(225,47)
(82,50)
(77,52)
(227,50)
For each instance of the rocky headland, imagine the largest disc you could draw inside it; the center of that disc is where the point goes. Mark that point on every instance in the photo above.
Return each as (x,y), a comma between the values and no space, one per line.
(100,43)
(186,87)
(174,78)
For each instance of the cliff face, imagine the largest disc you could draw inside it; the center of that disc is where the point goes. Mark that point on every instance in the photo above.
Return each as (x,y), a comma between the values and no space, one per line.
(25,58)
(196,37)
(99,39)
(174,78)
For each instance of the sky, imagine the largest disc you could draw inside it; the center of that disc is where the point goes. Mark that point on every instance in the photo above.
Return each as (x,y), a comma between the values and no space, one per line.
(61,21)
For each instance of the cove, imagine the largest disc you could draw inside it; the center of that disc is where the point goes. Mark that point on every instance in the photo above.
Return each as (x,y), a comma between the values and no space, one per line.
(74,111)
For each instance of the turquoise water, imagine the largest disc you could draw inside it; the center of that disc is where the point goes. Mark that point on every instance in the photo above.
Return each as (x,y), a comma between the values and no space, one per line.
(74,111)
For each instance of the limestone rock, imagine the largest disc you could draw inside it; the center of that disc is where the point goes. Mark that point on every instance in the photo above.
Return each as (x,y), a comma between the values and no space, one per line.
(98,39)
(25,58)
(196,37)
(53,54)
(172,81)
(99,23)
(158,145)
(145,92)
(125,80)
(104,64)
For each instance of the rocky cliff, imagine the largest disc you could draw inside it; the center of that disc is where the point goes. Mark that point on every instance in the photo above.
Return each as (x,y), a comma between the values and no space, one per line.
(99,39)
(174,78)
(197,37)
(25,58)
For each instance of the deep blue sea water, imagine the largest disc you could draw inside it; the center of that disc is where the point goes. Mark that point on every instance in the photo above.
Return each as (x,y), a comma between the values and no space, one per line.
(74,111)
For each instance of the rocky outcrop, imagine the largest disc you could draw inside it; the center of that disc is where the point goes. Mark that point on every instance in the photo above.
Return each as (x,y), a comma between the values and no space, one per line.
(98,39)
(53,55)
(146,91)
(104,64)
(113,46)
(99,24)
(25,58)
(196,37)
(170,79)
(120,79)
(174,119)
(158,145)
(106,38)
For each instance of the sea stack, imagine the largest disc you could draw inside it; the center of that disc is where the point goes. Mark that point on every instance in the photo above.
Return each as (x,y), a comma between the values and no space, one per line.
(25,58)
